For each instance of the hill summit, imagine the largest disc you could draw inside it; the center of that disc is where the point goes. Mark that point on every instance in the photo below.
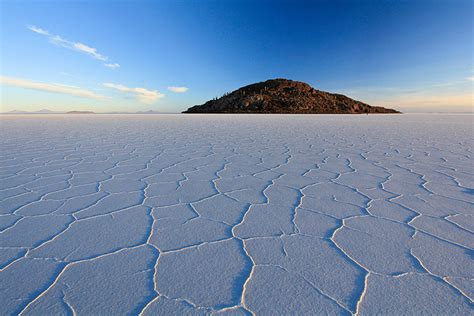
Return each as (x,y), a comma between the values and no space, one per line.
(285,96)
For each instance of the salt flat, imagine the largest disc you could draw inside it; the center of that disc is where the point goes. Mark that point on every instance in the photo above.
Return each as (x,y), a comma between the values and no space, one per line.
(236,214)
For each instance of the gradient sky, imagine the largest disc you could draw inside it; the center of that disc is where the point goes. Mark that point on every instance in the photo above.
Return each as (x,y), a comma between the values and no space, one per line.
(415,56)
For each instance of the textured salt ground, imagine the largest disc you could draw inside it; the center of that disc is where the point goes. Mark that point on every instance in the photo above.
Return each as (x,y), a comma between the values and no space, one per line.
(236,214)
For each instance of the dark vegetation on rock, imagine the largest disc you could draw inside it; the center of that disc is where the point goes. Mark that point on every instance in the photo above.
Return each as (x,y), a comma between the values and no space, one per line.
(285,96)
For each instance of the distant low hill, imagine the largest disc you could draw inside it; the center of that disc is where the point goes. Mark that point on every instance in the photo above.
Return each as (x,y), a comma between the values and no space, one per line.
(16,112)
(148,112)
(285,96)
(80,112)
(43,111)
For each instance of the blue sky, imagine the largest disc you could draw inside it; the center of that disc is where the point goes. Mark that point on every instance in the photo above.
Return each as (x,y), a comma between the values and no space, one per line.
(169,55)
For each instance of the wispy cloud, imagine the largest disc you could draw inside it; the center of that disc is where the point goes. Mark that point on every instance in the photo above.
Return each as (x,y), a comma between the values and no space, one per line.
(462,101)
(452,96)
(49,87)
(89,50)
(112,66)
(65,85)
(38,30)
(142,94)
(178,89)
(457,83)
(76,46)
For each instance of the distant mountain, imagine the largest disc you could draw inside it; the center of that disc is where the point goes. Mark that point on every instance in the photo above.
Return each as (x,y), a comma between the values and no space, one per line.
(16,112)
(42,111)
(285,96)
(80,112)
(45,111)
(148,112)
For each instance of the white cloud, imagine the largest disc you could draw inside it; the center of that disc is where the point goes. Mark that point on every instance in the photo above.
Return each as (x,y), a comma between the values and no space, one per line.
(112,66)
(38,30)
(58,40)
(470,78)
(425,99)
(142,94)
(65,85)
(49,87)
(454,96)
(79,47)
(178,89)
(89,50)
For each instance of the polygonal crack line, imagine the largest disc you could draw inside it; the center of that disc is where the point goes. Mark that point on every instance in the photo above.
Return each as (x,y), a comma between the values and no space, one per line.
(243,219)
(54,237)
(242,242)
(241,303)
(178,299)
(423,197)
(448,219)
(419,175)
(456,180)
(416,229)
(297,206)
(196,246)
(154,277)
(247,280)
(250,205)
(66,267)
(369,272)
(299,275)
(43,198)
(369,200)
(354,262)
(338,219)
(417,214)
(13,224)
(39,215)
(26,254)
(320,291)
(439,278)
(66,302)
(148,242)
(189,220)
(467,295)
(89,206)
(295,212)
(14,210)
(22,185)
(406,224)
(197,200)
(111,212)
(217,175)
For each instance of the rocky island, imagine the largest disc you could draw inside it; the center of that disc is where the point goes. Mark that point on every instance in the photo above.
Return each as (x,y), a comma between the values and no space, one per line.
(285,96)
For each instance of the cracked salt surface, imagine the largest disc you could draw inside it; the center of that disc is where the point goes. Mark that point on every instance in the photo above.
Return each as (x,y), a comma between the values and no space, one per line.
(236,214)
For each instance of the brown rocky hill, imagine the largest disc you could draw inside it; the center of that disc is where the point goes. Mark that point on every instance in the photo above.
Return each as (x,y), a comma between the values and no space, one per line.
(285,96)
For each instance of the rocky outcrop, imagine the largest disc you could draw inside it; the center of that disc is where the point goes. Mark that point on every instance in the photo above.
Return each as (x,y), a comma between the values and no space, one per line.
(285,96)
